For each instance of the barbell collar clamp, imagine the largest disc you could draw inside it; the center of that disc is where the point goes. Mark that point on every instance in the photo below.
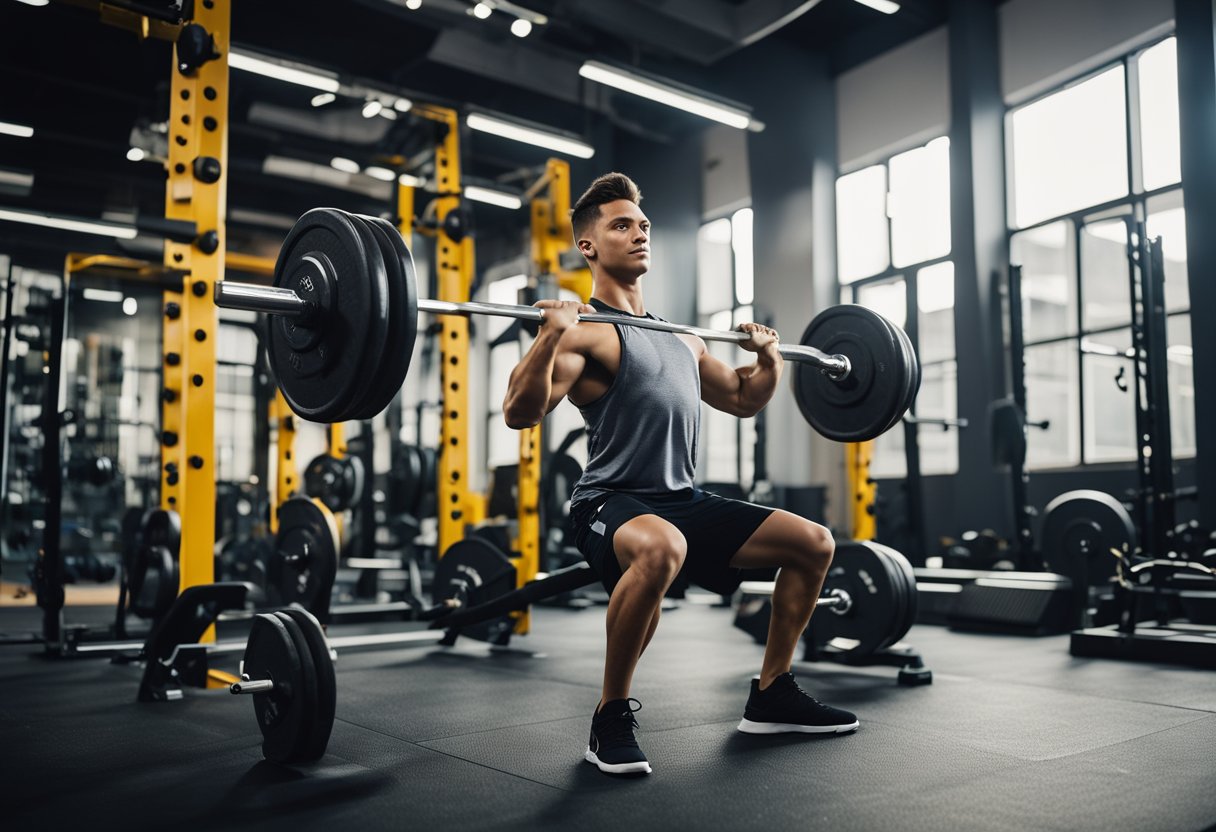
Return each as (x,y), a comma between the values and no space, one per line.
(252,686)
(276,300)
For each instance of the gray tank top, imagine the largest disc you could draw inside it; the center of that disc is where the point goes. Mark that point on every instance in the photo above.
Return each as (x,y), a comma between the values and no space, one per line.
(642,433)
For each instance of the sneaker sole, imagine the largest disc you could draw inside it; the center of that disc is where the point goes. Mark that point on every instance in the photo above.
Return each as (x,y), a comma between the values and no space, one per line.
(617,768)
(747,726)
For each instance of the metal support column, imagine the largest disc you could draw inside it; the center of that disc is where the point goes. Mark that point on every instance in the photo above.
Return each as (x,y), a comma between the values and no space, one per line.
(196,192)
(458,505)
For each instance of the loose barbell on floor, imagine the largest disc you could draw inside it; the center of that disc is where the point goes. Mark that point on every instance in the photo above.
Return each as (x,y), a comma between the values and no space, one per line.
(289,670)
(343,316)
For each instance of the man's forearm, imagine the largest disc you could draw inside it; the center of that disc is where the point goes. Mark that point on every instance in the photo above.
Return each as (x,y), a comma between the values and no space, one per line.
(531,383)
(758,382)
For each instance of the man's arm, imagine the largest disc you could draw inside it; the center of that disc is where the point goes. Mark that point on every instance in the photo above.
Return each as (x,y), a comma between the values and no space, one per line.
(549,369)
(746,390)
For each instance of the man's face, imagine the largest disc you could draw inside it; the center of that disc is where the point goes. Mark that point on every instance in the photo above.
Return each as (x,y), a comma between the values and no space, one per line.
(619,241)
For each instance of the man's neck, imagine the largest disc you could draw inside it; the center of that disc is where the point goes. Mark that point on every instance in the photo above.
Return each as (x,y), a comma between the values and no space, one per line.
(624,296)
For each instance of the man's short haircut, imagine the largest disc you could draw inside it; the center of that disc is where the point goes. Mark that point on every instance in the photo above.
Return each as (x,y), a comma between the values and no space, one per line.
(607,188)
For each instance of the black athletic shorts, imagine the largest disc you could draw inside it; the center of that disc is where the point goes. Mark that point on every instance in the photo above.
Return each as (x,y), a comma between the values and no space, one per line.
(715,528)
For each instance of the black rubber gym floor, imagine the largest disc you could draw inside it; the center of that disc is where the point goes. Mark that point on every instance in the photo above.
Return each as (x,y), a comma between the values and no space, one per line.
(1013,734)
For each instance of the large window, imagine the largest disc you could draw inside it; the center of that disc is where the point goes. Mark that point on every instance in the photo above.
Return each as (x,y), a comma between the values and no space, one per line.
(724,300)
(1082,175)
(893,245)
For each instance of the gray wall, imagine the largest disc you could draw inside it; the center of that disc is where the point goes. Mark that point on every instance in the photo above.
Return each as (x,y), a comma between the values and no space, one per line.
(896,101)
(1044,43)
(669,176)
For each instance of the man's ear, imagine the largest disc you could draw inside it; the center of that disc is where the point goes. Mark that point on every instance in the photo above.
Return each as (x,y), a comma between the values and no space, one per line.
(587,249)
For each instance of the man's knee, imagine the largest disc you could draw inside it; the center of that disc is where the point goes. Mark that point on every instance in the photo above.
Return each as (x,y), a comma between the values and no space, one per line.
(816,547)
(656,556)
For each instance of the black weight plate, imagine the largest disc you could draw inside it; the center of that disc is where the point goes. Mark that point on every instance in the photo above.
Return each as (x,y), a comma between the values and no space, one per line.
(377,324)
(912,380)
(283,716)
(153,582)
(1080,528)
(863,573)
(913,386)
(307,698)
(475,571)
(899,605)
(162,527)
(305,560)
(867,401)
(323,256)
(331,481)
(327,684)
(356,474)
(905,574)
(403,312)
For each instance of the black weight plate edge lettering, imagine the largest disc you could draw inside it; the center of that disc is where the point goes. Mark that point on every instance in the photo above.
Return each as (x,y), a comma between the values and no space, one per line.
(271,653)
(403,312)
(857,408)
(377,324)
(327,685)
(486,561)
(306,697)
(872,613)
(319,383)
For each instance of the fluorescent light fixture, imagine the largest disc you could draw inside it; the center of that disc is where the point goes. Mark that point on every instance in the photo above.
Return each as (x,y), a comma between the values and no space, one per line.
(389,113)
(884,6)
(16,182)
(413,4)
(344,165)
(103,295)
(481,11)
(103,229)
(34,2)
(410,181)
(21,131)
(372,109)
(136,154)
(529,135)
(403,105)
(323,98)
(521,28)
(492,197)
(664,94)
(305,77)
(383,174)
(130,306)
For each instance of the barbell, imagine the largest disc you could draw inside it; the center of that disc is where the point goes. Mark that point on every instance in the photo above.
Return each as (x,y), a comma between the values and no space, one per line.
(343,319)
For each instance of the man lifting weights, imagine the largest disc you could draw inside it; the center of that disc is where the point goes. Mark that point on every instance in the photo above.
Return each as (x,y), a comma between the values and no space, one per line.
(638,515)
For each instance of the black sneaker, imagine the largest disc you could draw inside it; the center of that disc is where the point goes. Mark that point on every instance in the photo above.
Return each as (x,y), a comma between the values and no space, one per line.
(784,707)
(612,746)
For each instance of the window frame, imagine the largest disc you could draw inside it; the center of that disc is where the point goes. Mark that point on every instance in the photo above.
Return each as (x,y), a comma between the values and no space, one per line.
(1132,208)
